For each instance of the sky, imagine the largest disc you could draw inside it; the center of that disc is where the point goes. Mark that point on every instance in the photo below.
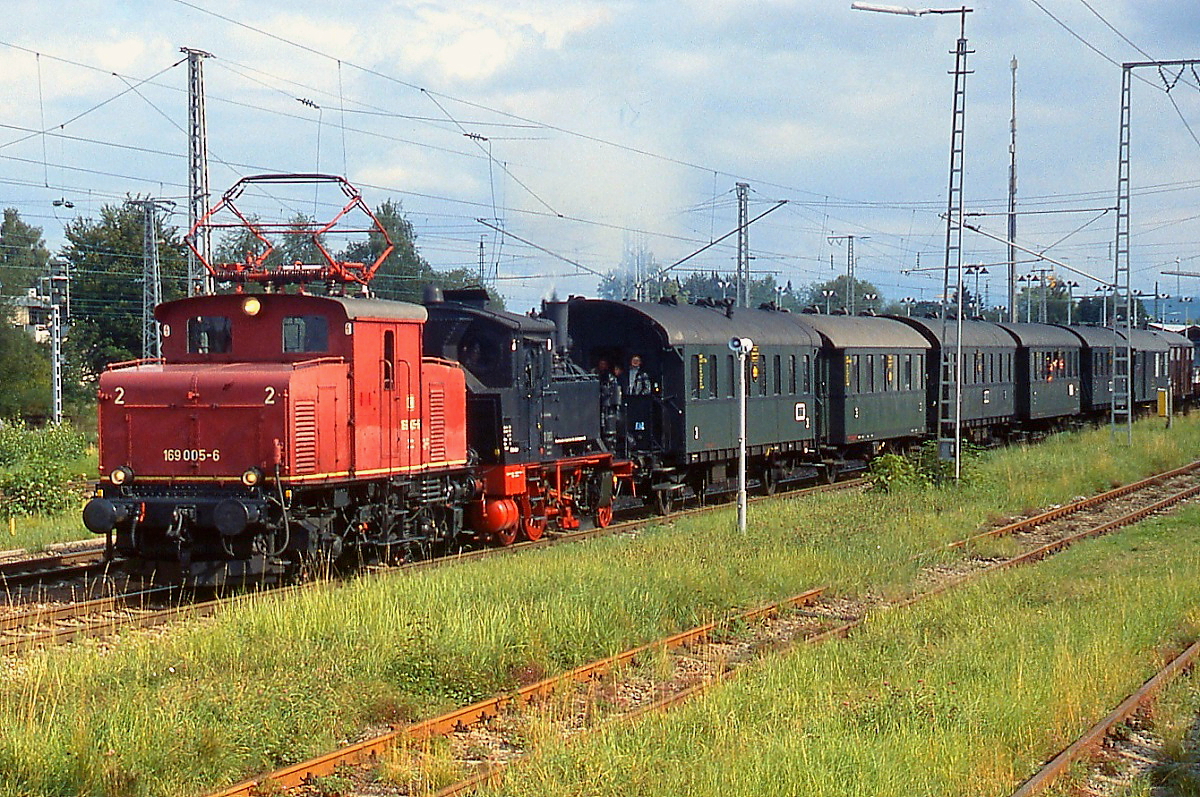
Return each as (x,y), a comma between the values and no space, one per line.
(586,129)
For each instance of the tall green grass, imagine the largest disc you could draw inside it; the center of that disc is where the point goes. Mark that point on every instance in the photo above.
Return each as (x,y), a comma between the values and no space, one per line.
(205,704)
(963,695)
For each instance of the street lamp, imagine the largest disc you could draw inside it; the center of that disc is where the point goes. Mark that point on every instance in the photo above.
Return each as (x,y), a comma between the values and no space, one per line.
(1071,285)
(1187,310)
(976,269)
(868,298)
(1104,291)
(1029,278)
(908,303)
(828,294)
(954,221)
(741,347)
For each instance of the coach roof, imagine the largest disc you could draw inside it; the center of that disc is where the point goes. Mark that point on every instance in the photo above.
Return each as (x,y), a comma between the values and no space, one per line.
(697,325)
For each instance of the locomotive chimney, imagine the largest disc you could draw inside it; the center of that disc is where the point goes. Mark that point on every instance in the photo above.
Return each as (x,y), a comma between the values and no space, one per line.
(556,312)
(431,294)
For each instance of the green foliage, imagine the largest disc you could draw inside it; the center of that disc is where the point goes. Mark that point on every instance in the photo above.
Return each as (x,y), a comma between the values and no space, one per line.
(23,254)
(892,470)
(36,478)
(815,295)
(922,468)
(37,488)
(105,256)
(639,266)
(25,388)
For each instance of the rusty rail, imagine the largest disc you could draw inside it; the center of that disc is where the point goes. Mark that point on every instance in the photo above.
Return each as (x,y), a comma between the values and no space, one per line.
(1076,506)
(462,718)
(1087,744)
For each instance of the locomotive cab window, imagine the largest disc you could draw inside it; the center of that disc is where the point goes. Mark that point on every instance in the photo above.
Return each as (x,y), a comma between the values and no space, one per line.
(212,334)
(389,360)
(305,333)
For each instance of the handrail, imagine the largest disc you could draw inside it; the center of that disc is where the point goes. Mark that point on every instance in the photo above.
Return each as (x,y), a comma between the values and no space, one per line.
(135,363)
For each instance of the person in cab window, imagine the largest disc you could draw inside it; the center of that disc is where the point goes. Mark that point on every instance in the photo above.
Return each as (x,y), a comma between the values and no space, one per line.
(637,381)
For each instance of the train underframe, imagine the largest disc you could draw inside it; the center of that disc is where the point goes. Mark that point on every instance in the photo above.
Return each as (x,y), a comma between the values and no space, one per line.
(220,536)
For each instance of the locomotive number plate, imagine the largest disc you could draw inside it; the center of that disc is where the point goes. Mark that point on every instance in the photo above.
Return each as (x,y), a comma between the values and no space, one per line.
(191,455)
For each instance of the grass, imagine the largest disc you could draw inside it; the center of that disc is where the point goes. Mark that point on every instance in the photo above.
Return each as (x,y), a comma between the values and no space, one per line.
(208,703)
(952,697)
(36,532)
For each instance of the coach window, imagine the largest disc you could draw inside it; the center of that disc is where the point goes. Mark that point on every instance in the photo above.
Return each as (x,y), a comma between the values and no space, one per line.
(389,360)
(713,392)
(761,362)
(211,334)
(792,374)
(807,374)
(731,375)
(697,376)
(849,372)
(870,380)
(778,374)
(305,333)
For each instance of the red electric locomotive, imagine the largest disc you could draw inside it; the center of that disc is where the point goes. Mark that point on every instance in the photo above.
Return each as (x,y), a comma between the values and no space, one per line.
(283,428)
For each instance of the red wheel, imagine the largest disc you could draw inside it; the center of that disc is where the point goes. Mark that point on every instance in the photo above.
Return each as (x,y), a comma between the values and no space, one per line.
(604,516)
(507,536)
(533,527)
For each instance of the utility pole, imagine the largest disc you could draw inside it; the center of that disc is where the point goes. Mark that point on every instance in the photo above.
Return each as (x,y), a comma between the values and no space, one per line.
(743,246)
(1122,406)
(482,274)
(151,274)
(60,312)
(849,239)
(1012,201)
(199,280)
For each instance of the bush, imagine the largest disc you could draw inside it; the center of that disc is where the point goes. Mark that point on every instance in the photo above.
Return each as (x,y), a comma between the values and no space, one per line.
(37,488)
(922,468)
(35,480)
(56,442)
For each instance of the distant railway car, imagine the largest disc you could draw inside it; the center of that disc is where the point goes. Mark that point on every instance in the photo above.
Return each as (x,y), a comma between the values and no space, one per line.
(1047,374)
(989,390)
(279,427)
(871,383)
(1179,368)
(678,417)
(1150,373)
(1095,367)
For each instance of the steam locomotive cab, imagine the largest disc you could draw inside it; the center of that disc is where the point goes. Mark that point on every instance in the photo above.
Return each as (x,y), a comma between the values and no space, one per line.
(534,420)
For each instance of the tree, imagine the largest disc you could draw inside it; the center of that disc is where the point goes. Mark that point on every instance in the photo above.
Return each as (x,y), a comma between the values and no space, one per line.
(638,277)
(831,295)
(23,254)
(105,256)
(711,285)
(25,388)
(405,273)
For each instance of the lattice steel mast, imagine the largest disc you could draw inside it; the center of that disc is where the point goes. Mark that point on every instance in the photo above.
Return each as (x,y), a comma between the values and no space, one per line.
(199,280)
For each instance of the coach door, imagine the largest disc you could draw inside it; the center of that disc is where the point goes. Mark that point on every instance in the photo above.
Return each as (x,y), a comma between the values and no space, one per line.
(398,400)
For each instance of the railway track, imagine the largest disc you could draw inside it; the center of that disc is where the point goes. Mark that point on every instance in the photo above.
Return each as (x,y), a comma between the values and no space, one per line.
(702,657)
(146,608)
(1123,756)
(73,562)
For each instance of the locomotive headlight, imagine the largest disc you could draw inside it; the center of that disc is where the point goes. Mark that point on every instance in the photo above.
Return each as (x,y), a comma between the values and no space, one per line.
(122,475)
(251,305)
(252,477)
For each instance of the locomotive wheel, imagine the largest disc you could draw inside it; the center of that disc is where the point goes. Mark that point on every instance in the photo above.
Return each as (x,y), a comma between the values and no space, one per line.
(664,501)
(832,471)
(533,528)
(770,480)
(507,536)
(604,516)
